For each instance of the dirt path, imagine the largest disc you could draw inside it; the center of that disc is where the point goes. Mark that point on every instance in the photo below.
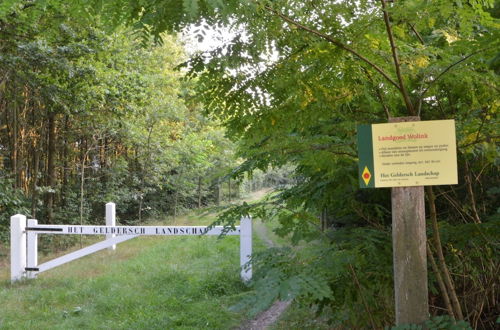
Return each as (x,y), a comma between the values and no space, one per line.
(268,317)
(261,231)
(256,195)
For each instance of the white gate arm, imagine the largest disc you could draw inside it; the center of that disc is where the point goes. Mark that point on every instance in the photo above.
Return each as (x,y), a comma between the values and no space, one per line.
(82,252)
(131,230)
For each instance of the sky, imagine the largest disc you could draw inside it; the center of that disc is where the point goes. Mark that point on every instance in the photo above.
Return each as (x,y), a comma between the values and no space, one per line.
(204,38)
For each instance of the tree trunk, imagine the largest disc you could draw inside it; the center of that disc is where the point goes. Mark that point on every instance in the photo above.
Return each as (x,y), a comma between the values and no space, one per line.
(237,190)
(218,192)
(468,181)
(199,192)
(324,219)
(104,163)
(176,201)
(36,151)
(82,190)
(441,261)
(65,155)
(51,168)
(15,145)
(141,200)
(82,185)
(34,192)
(23,156)
(439,278)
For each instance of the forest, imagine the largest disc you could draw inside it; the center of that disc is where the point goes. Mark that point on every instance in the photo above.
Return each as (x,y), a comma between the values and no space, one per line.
(102,101)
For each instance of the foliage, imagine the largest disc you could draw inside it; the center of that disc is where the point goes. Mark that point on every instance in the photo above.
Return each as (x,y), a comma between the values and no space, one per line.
(471,251)
(12,202)
(290,87)
(90,115)
(299,76)
(347,276)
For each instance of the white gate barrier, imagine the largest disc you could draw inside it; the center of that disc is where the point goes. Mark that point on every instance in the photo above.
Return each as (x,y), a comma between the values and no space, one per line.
(24,241)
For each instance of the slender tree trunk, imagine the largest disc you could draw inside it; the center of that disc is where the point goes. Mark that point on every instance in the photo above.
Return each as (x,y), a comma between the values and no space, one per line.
(141,201)
(324,219)
(229,188)
(82,190)
(36,145)
(15,144)
(439,278)
(218,193)
(34,192)
(104,164)
(237,190)
(51,168)
(468,181)
(441,261)
(176,201)
(65,155)
(145,171)
(23,156)
(199,192)
(361,295)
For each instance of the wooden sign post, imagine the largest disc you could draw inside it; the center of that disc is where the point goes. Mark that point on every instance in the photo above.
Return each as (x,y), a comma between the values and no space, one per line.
(407,154)
(409,251)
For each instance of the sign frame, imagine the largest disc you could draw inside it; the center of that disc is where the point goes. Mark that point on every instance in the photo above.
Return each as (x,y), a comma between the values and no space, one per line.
(407,154)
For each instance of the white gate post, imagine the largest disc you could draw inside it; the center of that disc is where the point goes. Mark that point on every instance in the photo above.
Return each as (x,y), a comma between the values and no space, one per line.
(32,250)
(17,247)
(246,247)
(111,221)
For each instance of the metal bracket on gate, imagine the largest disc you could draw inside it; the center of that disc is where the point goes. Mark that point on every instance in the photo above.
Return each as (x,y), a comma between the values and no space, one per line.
(32,269)
(42,229)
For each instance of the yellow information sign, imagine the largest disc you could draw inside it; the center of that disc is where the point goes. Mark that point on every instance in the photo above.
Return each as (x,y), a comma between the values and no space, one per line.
(418,153)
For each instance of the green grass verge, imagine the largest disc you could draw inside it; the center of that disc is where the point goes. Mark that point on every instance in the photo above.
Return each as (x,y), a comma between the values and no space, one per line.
(148,283)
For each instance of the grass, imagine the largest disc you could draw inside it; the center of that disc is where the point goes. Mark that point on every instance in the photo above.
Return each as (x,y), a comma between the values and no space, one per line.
(147,283)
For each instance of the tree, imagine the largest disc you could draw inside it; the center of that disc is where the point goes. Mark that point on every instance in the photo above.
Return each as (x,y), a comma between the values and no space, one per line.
(299,75)
(291,87)
(90,115)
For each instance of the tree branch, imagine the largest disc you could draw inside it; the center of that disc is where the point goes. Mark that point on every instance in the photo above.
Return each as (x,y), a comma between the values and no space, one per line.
(468,182)
(421,40)
(449,67)
(337,43)
(379,94)
(397,65)
(419,37)
(439,278)
(356,281)
(486,139)
(448,281)
(323,148)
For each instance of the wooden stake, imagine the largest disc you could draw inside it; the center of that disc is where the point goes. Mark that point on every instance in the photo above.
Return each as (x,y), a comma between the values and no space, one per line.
(409,251)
